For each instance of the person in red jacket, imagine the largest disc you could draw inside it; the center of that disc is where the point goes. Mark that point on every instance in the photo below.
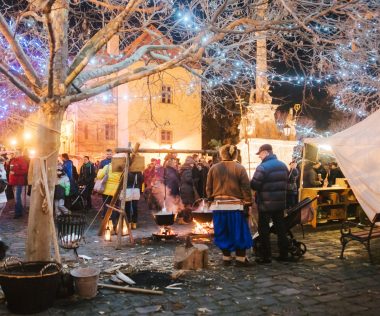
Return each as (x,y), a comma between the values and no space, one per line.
(18,178)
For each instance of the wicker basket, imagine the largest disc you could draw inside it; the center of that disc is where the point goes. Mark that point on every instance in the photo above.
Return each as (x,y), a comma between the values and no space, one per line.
(30,287)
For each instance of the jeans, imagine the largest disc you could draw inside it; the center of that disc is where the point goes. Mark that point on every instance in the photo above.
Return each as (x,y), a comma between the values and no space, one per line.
(19,209)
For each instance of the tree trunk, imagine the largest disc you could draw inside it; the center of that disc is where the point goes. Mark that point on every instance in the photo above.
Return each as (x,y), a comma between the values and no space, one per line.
(47,135)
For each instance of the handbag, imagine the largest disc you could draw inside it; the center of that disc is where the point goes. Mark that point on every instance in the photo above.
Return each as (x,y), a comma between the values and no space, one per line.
(132,194)
(100,184)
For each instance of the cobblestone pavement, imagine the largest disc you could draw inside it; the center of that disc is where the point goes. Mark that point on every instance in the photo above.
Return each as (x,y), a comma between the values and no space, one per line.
(319,284)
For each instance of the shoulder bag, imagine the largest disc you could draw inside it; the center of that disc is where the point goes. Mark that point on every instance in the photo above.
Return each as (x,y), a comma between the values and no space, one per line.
(100,184)
(133,194)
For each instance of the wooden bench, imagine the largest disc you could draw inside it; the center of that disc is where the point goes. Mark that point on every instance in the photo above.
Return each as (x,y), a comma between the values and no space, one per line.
(363,234)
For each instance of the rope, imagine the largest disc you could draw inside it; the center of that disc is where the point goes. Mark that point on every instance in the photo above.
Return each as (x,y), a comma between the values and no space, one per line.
(96,215)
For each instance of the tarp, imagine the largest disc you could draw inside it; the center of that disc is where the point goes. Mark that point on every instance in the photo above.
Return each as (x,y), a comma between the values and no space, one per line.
(357,151)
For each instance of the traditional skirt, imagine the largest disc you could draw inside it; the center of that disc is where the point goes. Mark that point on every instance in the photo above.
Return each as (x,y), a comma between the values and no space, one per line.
(231,230)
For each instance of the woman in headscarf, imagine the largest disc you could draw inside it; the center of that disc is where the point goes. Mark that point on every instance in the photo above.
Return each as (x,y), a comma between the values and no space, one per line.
(229,190)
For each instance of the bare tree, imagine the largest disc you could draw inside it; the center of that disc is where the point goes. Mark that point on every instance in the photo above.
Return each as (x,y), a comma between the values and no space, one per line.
(217,36)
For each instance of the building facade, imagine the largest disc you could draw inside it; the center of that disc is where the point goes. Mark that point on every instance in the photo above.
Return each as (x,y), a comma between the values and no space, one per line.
(162,111)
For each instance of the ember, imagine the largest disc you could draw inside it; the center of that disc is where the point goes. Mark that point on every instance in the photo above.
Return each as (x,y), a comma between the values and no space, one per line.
(165,233)
(206,228)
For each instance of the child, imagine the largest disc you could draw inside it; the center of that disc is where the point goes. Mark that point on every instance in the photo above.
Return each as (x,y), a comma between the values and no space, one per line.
(62,189)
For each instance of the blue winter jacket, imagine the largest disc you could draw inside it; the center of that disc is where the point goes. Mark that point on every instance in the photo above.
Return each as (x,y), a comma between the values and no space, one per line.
(270,181)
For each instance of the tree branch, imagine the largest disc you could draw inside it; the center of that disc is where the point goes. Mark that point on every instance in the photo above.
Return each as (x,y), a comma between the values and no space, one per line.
(97,42)
(19,53)
(107,70)
(49,27)
(119,7)
(14,78)
(124,78)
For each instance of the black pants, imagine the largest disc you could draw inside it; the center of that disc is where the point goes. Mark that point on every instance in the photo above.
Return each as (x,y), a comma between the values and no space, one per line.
(279,226)
(131,210)
(87,195)
(291,199)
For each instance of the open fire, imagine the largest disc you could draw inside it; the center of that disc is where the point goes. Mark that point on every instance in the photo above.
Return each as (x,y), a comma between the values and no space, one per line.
(166,232)
(206,228)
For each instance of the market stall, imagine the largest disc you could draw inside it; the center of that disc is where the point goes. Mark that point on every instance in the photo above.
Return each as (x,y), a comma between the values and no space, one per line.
(357,152)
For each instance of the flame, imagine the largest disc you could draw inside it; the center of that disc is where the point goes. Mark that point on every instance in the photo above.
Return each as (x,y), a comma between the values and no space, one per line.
(166,231)
(203,228)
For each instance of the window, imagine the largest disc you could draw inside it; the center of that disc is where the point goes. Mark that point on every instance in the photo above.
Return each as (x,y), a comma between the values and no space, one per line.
(166,94)
(166,137)
(109,130)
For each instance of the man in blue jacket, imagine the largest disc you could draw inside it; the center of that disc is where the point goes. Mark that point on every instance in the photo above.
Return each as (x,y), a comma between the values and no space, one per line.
(270,182)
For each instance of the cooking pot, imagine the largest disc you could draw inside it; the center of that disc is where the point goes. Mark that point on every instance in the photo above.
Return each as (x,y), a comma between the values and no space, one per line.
(202,217)
(164,218)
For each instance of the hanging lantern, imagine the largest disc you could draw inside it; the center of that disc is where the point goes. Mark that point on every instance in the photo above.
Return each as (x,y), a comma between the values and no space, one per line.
(107,235)
(287,130)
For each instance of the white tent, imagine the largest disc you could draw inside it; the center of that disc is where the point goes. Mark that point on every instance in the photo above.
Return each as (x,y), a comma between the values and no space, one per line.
(357,151)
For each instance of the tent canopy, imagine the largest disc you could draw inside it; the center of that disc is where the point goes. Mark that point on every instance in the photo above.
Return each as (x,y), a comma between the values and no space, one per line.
(357,151)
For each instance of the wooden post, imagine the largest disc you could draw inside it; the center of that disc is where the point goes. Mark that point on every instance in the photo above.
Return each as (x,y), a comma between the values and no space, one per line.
(122,205)
(115,197)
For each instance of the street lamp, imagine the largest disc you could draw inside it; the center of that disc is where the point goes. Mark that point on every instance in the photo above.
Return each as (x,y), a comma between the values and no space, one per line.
(287,130)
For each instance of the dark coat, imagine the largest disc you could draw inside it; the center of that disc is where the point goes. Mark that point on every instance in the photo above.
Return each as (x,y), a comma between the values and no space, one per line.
(131,180)
(87,173)
(292,180)
(203,171)
(333,175)
(172,180)
(310,177)
(187,185)
(270,181)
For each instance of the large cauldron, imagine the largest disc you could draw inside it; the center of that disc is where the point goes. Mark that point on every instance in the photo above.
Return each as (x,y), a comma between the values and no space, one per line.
(164,218)
(202,217)
(30,287)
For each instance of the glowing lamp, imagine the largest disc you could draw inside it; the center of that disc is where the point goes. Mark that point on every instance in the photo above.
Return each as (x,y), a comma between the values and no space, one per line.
(107,234)
(13,142)
(326,147)
(32,153)
(27,135)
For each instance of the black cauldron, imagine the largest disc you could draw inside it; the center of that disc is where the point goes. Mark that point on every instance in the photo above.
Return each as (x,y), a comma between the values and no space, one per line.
(202,217)
(30,287)
(163,219)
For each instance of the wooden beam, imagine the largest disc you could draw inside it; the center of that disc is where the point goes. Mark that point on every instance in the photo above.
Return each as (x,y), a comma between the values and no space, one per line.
(168,151)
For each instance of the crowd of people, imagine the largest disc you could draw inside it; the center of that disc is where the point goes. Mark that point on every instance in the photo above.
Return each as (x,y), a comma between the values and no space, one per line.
(224,184)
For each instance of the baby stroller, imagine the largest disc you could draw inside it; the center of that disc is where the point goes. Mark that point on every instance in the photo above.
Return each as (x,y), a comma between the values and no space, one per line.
(301,213)
(77,201)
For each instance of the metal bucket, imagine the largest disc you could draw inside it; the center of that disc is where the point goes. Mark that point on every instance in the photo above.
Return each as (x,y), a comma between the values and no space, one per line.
(30,287)
(86,281)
